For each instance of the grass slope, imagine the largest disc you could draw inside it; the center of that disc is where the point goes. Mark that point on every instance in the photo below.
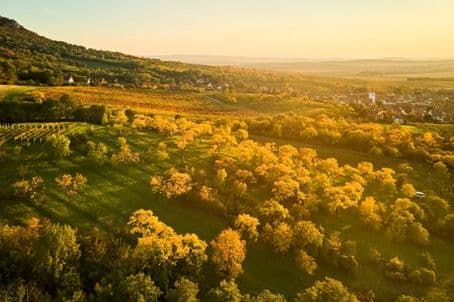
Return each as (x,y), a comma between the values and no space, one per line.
(113,193)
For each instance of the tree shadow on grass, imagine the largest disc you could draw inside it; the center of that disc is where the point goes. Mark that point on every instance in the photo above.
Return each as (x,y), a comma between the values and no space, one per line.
(72,206)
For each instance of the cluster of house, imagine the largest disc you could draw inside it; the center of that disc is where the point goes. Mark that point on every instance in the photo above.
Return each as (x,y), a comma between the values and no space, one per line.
(396,108)
(70,81)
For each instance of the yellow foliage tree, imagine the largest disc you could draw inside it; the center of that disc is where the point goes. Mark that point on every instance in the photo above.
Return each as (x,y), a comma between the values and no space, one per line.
(229,252)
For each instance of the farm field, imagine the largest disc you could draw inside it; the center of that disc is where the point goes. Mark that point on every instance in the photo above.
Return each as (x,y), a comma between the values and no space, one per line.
(164,102)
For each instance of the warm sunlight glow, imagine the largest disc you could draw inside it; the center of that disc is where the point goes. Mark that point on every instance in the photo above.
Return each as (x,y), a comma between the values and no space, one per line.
(287,28)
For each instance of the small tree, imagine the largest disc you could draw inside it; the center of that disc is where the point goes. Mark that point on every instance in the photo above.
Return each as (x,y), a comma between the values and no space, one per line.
(60,145)
(97,153)
(71,185)
(33,189)
(229,252)
(184,291)
(227,291)
(247,225)
(408,190)
(280,237)
(328,290)
(139,287)
(125,155)
(173,185)
(371,212)
(305,262)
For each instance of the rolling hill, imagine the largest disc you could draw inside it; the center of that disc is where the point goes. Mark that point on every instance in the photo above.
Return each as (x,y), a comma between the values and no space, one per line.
(29,58)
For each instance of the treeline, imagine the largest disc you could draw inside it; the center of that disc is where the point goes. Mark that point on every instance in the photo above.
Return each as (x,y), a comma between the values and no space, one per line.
(374,138)
(145,261)
(50,110)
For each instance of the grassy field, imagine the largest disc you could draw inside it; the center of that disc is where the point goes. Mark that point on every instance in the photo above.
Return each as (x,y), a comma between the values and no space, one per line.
(113,193)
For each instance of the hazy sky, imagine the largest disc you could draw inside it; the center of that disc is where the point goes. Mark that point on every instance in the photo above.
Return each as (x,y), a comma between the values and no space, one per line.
(261,28)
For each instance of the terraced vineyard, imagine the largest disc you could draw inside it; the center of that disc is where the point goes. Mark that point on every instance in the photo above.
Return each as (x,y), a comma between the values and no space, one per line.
(31,132)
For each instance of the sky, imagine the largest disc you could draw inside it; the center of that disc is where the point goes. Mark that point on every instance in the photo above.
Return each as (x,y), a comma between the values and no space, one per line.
(252,28)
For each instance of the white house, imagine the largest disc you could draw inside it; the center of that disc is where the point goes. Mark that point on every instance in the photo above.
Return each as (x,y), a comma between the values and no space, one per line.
(372,97)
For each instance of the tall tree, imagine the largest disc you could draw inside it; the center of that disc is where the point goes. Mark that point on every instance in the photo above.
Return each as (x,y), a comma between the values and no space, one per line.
(229,252)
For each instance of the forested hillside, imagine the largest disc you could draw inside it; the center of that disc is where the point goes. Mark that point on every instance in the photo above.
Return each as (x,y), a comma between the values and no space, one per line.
(28,58)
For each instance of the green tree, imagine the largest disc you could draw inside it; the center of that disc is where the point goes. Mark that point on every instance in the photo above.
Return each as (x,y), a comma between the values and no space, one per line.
(139,288)
(227,291)
(59,145)
(265,296)
(97,153)
(56,256)
(184,291)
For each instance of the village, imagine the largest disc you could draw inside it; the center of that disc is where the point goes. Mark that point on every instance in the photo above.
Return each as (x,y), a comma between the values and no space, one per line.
(400,108)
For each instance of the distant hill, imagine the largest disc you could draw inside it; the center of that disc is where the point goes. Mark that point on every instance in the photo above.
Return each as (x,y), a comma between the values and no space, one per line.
(226,60)
(364,67)
(28,58)
(333,67)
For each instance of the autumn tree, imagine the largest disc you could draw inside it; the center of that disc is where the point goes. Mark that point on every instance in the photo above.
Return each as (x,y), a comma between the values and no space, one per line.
(206,193)
(385,179)
(162,252)
(97,153)
(265,296)
(327,290)
(286,188)
(33,189)
(71,184)
(408,190)
(226,291)
(404,222)
(371,212)
(229,252)
(247,225)
(17,246)
(272,211)
(436,208)
(308,236)
(161,151)
(305,262)
(144,223)
(174,184)
(59,145)
(125,155)
(280,237)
